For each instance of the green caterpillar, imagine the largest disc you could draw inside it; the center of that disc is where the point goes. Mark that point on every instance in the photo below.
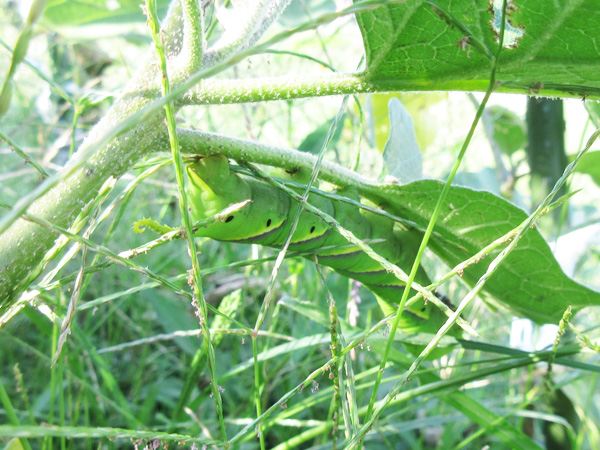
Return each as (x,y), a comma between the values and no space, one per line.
(267,219)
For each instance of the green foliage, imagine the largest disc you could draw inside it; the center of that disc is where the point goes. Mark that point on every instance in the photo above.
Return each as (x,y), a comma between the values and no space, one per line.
(509,130)
(62,14)
(523,281)
(435,44)
(590,165)
(180,342)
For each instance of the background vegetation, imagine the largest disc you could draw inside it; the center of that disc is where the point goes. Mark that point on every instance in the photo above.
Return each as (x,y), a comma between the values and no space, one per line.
(135,370)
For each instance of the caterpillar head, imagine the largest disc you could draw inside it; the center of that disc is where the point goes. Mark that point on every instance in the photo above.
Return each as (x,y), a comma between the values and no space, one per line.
(213,187)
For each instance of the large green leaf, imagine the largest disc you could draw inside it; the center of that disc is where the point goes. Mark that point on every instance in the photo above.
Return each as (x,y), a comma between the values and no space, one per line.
(530,281)
(552,47)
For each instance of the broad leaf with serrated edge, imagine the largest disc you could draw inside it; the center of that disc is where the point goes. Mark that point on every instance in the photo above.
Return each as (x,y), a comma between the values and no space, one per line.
(550,47)
(529,282)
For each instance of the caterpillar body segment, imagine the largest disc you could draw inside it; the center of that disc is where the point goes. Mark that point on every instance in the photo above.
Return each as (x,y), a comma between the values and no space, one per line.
(267,220)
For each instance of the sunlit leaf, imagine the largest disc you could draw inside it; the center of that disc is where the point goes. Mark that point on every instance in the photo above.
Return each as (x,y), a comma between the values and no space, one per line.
(442,45)
(530,282)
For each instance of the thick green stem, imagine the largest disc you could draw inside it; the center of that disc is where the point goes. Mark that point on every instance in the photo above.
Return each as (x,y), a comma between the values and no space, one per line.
(205,143)
(221,91)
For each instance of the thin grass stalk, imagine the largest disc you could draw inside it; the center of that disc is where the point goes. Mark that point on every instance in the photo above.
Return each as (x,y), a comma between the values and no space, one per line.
(62,410)
(348,391)
(562,327)
(199,301)
(27,158)
(258,389)
(335,373)
(11,413)
(281,255)
(22,390)
(78,288)
(188,333)
(71,433)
